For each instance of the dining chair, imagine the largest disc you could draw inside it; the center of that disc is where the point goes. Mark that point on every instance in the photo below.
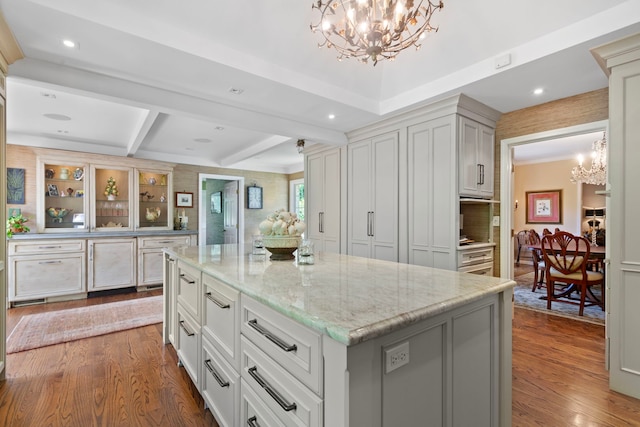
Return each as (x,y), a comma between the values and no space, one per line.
(522,239)
(538,262)
(565,257)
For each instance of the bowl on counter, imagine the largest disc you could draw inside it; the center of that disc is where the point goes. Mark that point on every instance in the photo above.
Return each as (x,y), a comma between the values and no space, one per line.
(281,247)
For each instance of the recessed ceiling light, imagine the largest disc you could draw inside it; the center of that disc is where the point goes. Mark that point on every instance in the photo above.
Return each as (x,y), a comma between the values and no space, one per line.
(203,140)
(69,43)
(219,128)
(54,116)
(62,131)
(332,116)
(235,91)
(538,91)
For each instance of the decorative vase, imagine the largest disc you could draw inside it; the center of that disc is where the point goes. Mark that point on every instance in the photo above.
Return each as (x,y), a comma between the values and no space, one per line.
(281,247)
(111,197)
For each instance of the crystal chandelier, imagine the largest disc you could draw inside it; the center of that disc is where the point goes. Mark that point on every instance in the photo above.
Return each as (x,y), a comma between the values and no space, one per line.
(373,29)
(597,175)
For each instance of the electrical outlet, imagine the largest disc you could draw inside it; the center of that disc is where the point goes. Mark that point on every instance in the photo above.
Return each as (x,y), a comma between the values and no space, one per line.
(397,356)
(496,221)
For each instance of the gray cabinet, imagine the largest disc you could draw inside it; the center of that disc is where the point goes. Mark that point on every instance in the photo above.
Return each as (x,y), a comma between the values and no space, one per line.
(373,203)
(322,196)
(476,159)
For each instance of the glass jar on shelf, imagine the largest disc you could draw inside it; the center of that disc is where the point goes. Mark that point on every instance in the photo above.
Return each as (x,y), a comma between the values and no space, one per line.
(62,204)
(154,207)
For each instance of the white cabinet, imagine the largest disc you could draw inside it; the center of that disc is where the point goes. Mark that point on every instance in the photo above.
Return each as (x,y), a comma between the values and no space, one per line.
(372,209)
(150,257)
(112,263)
(476,259)
(432,202)
(220,386)
(189,345)
(154,193)
(46,269)
(322,191)
(476,159)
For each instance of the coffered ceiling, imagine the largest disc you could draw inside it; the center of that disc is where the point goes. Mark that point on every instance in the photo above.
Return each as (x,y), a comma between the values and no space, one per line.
(235,84)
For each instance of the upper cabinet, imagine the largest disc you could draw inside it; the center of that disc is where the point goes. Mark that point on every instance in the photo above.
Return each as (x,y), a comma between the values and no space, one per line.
(83,196)
(62,205)
(111,197)
(153,190)
(476,160)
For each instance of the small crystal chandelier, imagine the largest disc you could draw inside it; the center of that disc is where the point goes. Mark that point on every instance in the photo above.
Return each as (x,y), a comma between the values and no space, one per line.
(597,175)
(373,29)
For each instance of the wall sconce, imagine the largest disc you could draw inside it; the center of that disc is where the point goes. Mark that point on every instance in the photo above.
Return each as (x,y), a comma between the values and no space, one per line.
(516,205)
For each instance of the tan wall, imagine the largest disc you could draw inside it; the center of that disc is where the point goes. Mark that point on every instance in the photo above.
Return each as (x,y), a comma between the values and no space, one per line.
(185,178)
(584,108)
(543,177)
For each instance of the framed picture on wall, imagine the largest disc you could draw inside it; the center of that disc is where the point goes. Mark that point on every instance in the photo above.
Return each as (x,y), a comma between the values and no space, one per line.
(216,202)
(544,207)
(184,200)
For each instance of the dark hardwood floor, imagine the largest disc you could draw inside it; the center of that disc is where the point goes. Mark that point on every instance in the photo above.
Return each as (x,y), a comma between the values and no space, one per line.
(130,378)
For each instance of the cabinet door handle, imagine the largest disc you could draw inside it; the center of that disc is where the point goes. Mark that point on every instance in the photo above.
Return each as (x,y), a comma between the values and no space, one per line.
(373,217)
(368,223)
(478,165)
(182,277)
(274,339)
(49,247)
(215,374)
(321,222)
(50,262)
(267,387)
(253,422)
(183,326)
(216,302)
(481,174)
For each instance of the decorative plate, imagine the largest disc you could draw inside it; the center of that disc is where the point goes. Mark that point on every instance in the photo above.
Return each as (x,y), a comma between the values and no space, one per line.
(78,174)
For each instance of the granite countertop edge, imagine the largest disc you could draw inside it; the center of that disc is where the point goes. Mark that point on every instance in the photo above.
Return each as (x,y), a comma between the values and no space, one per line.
(89,234)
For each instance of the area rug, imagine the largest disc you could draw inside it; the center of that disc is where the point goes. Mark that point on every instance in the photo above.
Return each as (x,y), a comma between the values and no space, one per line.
(55,327)
(524,298)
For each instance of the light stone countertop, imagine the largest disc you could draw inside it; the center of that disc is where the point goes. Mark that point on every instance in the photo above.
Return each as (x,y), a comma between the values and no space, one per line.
(84,234)
(349,298)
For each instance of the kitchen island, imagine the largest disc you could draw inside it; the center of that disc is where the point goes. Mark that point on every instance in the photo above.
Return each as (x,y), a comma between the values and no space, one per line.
(347,341)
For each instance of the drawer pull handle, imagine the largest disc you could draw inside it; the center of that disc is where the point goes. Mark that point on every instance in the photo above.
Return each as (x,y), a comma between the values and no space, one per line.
(51,262)
(216,302)
(478,256)
(274,339)
(253,422)
(49,247)
(211,369)
(276,396)
(182,277)
(183,326)
(166,241)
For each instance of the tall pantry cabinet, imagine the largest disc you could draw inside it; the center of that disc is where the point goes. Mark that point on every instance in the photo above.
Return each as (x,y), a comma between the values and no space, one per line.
(372,188)
(323,172)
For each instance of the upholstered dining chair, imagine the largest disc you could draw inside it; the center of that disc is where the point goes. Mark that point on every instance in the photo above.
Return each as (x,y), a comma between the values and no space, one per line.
(565,257)
(538,262)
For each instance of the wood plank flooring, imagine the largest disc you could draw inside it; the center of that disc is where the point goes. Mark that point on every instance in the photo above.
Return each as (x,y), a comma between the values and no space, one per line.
(130,378)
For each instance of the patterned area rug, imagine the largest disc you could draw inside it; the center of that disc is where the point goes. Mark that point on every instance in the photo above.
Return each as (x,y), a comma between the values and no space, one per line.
(55,327)
(524,298)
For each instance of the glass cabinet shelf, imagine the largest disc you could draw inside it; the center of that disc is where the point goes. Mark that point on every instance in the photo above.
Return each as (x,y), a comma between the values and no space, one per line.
(64,204)
(111,193)
(153,199)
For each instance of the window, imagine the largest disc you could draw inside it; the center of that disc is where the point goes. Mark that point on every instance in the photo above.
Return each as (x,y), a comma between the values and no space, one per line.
(296,197)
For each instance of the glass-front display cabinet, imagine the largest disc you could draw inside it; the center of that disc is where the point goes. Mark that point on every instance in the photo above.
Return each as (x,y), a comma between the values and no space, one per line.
(111,196)
(61,204)
(154,200)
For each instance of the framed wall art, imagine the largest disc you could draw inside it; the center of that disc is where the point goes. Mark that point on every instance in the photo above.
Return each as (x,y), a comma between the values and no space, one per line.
(15,186)
(544,207)
(184,200)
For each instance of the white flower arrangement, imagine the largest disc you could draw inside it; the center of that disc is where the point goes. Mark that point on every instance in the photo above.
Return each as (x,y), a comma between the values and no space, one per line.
(282,223)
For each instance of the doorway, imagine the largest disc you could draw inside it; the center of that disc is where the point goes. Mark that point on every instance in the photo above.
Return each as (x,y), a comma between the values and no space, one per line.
(223,222)
(507,146)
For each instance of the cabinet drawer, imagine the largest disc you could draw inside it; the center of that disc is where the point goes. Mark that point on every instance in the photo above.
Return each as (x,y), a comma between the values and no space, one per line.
(485,269)
(189,289)
(294,346)
(474,256)
(45,247)
(253,411)
(220,386)
(189,345)
(162,241)
(292,402)
(46,276)
(221,318)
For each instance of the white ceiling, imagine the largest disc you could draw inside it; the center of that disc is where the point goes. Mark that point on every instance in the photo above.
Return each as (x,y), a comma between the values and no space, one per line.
(150,78)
